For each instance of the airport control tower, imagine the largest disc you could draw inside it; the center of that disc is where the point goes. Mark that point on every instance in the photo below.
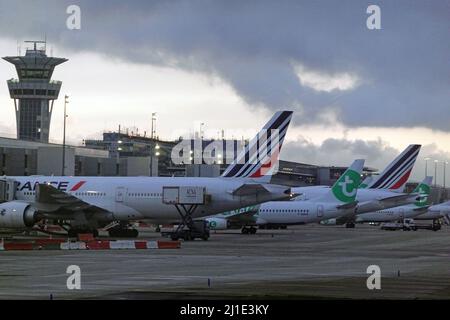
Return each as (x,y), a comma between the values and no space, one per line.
(34,93)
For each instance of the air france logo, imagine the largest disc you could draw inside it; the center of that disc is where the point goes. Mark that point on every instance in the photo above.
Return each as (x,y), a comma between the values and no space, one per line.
(346,187)
(60,185)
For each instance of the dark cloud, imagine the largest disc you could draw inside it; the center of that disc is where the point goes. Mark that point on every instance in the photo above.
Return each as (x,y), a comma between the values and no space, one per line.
(403,68)
(378,154)
(340,152)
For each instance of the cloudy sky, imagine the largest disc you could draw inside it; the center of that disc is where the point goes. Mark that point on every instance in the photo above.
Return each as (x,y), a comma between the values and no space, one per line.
(229,64)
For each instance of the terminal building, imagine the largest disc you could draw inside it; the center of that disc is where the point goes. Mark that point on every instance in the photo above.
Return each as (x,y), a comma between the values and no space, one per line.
(124,146)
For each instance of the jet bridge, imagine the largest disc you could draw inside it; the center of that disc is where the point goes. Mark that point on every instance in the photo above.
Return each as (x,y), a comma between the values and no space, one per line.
(7,189)
(186,199)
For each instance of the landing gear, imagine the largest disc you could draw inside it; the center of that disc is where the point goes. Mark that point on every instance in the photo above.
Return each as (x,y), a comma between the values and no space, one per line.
(350,225)
(73,233)
(249,230)
(436,225)
(123,231)
(189,229)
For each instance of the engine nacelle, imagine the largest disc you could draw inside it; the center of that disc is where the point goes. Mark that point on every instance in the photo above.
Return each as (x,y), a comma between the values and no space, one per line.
(16,214)
(217,223)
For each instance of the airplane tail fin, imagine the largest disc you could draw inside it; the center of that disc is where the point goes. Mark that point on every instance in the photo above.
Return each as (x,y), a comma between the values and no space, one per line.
(345,188)
(365,182)
(423,189)
(396,174)
(259,159)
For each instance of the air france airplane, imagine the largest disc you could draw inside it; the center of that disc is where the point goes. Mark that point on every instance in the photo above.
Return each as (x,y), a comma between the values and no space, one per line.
(84,204)
(381,192)
(338,201)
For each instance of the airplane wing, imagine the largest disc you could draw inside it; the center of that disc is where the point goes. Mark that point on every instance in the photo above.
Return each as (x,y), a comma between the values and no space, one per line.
(348,205)
(386,203)
(398,200)
(420,209)
(242,215)
(247,189)
(49,199)
(245,217)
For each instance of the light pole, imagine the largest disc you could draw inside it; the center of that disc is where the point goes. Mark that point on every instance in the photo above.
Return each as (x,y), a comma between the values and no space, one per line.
(426,166)
(153,126)
(435,172)
(66,97)
(445,164)
(201,130)
(154,154)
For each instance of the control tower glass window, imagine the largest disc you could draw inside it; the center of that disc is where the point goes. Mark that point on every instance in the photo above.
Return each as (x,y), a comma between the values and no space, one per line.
(34,74)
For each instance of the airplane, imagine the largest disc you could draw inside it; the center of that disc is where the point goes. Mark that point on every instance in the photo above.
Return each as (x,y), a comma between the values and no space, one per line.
(85,204)
(436,212)
(381,192)
(421,206)
(339,200)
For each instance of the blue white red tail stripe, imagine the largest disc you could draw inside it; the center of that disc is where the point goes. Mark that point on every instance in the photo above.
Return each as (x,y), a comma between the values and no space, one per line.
(259,153)
(397,173)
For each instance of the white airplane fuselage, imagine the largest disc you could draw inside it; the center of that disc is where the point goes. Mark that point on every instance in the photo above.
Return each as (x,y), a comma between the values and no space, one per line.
(368,199)
(391,214)
(298,212)
(436,211)
(130,198)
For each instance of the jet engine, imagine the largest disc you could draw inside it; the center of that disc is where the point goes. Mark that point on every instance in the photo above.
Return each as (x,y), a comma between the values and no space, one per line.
(16,214)
(217,223)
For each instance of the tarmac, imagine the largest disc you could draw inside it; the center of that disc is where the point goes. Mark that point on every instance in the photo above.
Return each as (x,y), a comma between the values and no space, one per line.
(302,262)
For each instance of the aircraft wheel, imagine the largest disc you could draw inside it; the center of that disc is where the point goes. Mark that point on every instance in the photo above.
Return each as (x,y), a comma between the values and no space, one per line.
(72,233)
(350,225)
(134,233)
(244,231)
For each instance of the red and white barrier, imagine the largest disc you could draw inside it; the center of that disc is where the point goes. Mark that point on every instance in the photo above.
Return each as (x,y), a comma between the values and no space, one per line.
(61,244)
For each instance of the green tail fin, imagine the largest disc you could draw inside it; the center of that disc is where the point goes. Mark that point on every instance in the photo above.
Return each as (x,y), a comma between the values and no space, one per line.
(423,189)
(344,190)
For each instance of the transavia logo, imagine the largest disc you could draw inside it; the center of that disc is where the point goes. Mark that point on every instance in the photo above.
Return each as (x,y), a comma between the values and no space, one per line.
(346,187)
(424,191)
(212,224)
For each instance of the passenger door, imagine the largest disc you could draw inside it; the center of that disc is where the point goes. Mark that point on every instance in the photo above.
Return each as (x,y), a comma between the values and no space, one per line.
(320,211)
(120,194)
